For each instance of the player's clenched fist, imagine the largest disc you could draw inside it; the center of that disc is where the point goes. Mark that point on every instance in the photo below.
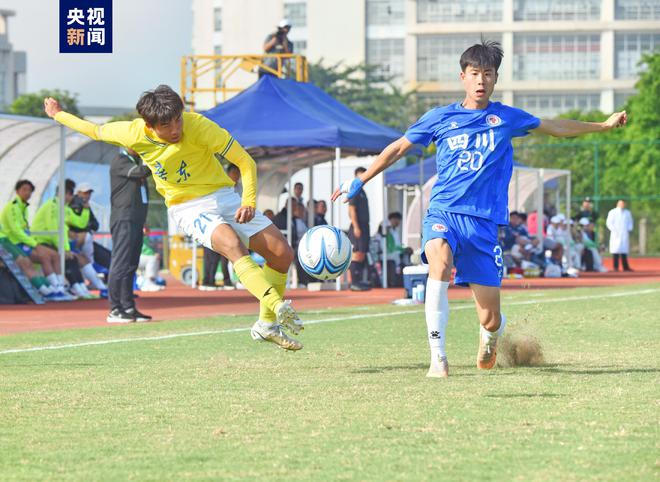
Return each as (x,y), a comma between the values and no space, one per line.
(52,107)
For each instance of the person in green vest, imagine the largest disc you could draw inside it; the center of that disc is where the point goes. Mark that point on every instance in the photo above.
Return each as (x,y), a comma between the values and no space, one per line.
(47,220)
(18,241)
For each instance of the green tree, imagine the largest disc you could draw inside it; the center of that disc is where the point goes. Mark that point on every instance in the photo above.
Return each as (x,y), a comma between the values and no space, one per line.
(622,163)
(374,96)
(33,104)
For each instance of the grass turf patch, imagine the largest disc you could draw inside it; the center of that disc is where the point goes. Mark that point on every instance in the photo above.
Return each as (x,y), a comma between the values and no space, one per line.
(354,404)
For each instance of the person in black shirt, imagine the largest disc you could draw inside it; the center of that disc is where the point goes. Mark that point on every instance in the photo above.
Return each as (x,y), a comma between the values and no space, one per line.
(358,233)
(128,212)
(277,43)
(587,211)
(320,209)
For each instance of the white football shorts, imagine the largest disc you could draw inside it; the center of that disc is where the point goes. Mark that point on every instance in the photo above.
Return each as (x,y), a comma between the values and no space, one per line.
(198,218)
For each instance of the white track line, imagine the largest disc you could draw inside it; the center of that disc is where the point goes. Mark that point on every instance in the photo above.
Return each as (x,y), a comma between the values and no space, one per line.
(312,322)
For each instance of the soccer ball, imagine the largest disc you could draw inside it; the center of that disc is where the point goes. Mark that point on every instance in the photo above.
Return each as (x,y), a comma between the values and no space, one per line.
(324,252)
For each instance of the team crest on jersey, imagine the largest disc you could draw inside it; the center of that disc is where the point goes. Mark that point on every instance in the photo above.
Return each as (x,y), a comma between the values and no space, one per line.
(439,228)
(493,120)
(453,125)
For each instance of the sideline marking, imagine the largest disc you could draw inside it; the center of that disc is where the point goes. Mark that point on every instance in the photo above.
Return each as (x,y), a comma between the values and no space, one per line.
(314,322)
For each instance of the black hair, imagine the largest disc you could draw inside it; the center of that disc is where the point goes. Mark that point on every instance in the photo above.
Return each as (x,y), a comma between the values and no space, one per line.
(395,215)
(359,170)
(23,182)
(487,54)
(160,105)
(69,186)
(298,184)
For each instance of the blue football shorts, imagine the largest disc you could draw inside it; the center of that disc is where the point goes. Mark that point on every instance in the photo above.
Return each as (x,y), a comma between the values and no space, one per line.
(473,242)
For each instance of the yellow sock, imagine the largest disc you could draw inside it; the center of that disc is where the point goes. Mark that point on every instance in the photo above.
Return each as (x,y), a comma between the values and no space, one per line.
(278,280)
(253,278)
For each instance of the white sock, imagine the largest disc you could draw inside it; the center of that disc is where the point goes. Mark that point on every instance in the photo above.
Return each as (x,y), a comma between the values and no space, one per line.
(45,290)
(91,275)
(78,289)
(488,336)
(437,315)
(61,281)
(52,280)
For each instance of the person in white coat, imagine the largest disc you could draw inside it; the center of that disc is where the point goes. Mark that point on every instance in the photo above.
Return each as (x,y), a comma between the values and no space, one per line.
(620,223)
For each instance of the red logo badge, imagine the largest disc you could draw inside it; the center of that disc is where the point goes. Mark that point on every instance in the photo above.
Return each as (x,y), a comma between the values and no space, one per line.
(493,120)
(439,228)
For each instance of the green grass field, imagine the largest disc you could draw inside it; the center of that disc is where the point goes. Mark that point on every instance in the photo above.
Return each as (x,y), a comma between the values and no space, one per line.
(353,405)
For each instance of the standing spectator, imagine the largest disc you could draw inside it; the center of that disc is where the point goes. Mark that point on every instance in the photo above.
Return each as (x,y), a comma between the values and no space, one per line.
(320,210)
(620,223)
(298,229)
(358,233)
(277,43)
(129,200)
(587,211)
(298,189)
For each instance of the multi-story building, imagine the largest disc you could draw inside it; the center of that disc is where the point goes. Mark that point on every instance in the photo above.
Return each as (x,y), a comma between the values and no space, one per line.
(12,64)
(559,54)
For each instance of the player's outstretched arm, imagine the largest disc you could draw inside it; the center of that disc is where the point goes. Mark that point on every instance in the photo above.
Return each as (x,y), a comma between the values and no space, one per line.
(572,128)
(54,111)
(385,159)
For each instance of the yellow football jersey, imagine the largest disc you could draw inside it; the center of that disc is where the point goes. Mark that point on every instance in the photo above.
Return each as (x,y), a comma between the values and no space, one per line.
(183,171)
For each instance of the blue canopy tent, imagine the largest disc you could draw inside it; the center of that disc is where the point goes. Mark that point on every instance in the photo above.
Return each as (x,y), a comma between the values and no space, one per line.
(284,113)
(288,125)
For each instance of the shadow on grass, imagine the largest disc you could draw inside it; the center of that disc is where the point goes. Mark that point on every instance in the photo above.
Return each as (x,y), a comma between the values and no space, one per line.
(606,370)
(424,366)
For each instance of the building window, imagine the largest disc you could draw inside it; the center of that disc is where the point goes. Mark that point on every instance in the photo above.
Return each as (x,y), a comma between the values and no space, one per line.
(296,13)
(551,105)
(620,99)
(533,10)
(217,19)
(438,55)
(387,56)
(437,11)
(300,47)
(217,50)
(637,10)
(629,48)
(556,56)
(385,12)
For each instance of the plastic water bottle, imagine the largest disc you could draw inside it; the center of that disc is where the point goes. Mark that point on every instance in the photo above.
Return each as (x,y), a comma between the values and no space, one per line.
(414,293)
(420,293)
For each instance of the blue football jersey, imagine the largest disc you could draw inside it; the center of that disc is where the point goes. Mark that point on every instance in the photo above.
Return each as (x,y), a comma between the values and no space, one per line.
(474,156)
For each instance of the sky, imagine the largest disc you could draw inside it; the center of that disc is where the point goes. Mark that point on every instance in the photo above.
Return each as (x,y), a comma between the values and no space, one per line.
(150,36)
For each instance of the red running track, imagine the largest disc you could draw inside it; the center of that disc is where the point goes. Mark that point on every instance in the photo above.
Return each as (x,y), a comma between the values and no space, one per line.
(180,302)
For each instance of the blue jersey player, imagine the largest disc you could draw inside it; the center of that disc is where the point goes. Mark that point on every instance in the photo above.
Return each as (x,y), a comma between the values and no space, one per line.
(470,198)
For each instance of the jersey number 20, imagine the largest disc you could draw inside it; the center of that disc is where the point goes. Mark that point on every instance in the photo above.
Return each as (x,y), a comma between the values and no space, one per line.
(470,160)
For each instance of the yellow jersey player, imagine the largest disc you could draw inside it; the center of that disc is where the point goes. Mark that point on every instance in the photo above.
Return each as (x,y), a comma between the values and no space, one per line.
(183,151)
